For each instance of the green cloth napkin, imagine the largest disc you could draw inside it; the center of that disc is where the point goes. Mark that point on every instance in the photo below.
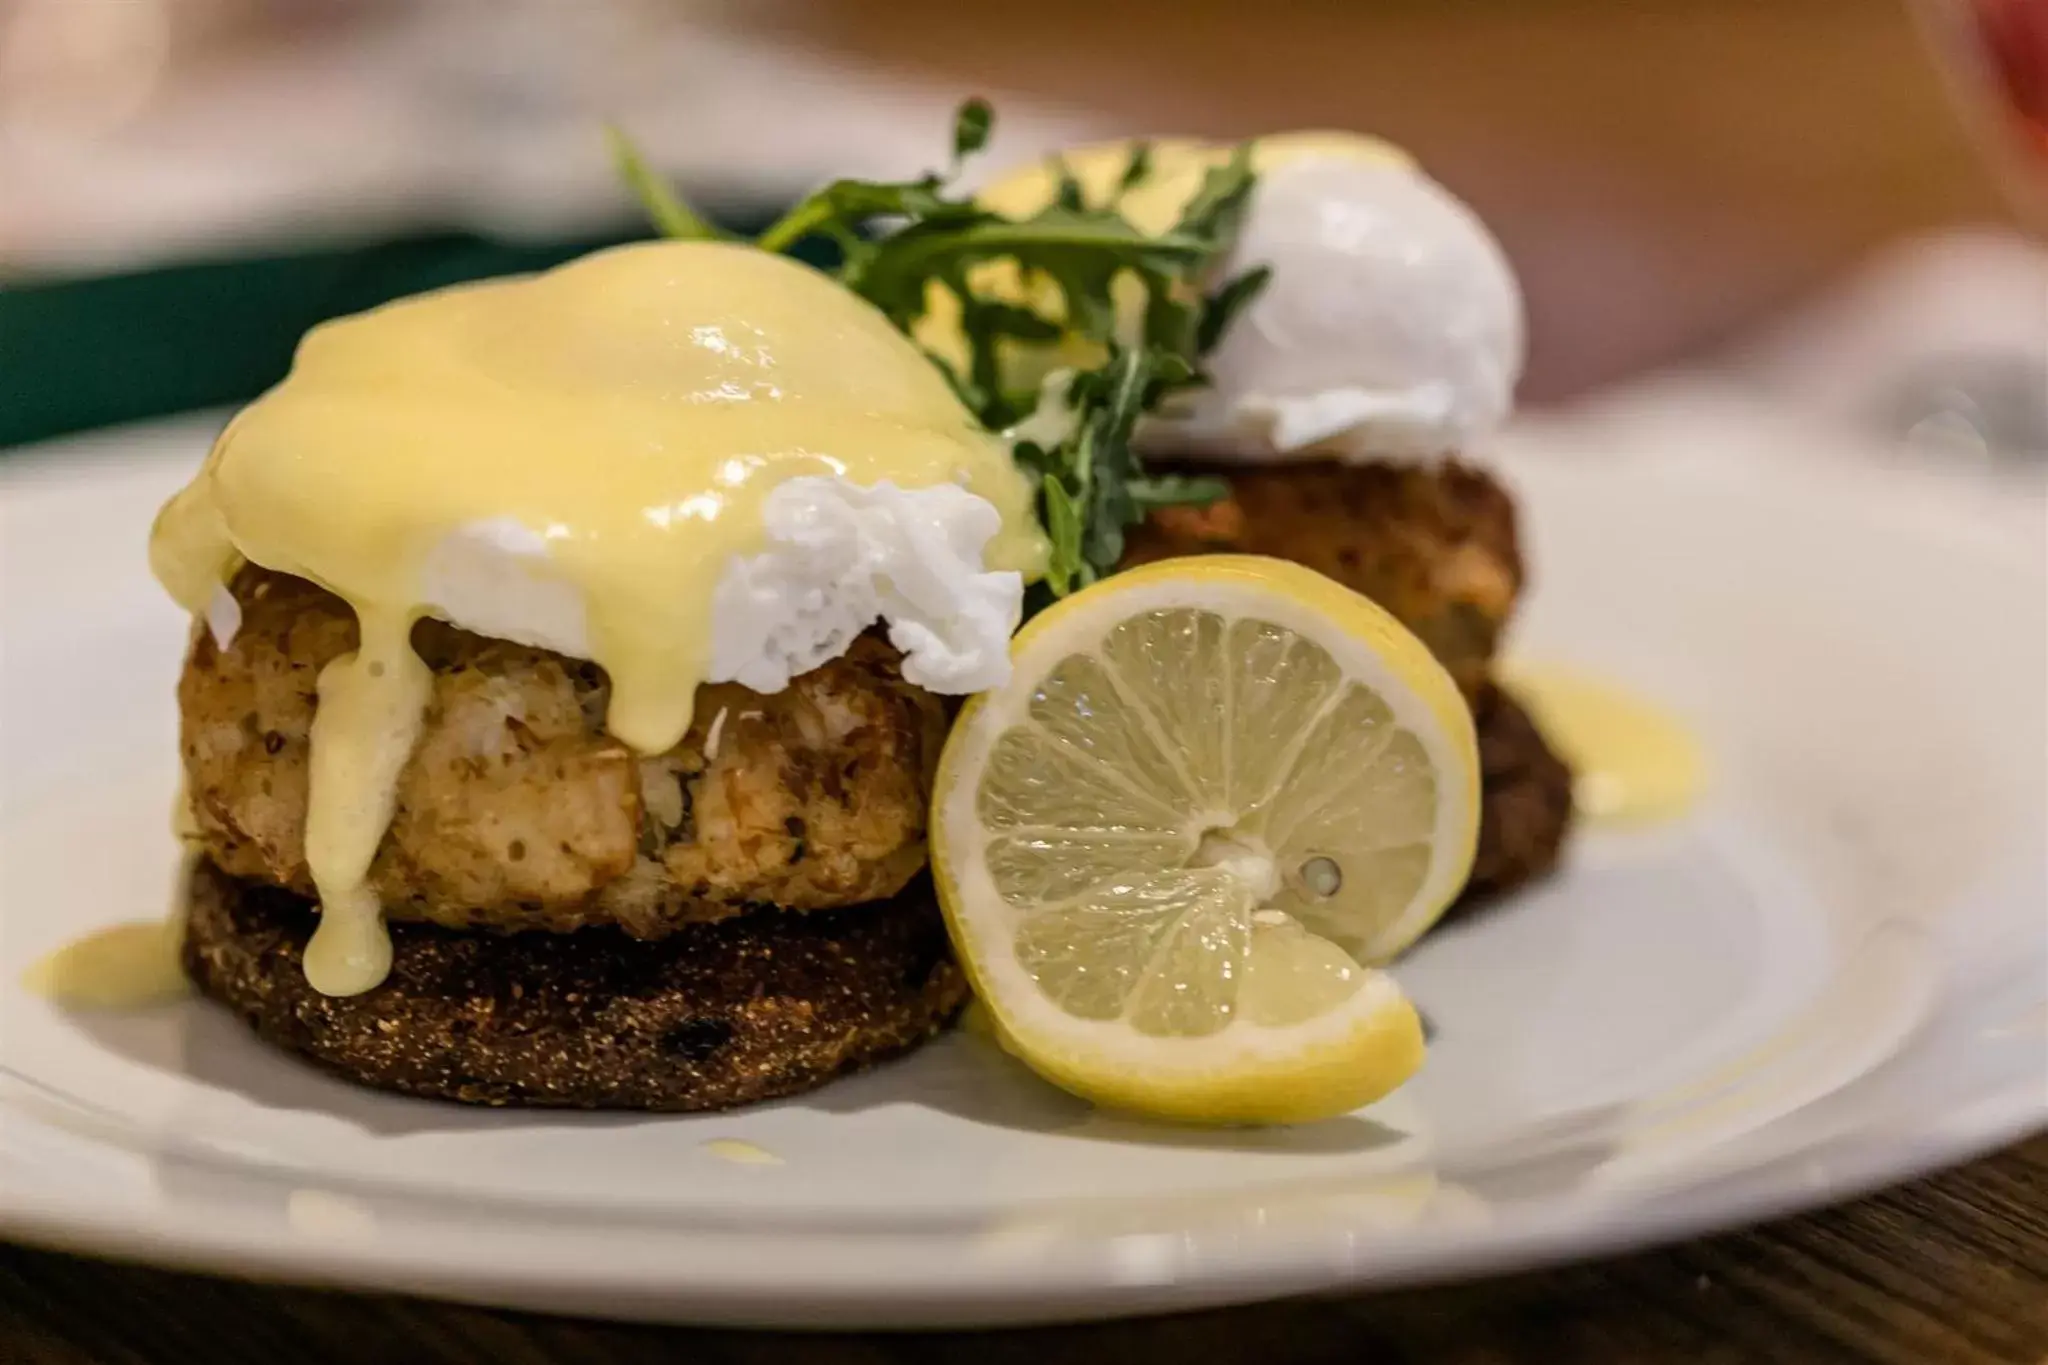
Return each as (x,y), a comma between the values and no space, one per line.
(91,352)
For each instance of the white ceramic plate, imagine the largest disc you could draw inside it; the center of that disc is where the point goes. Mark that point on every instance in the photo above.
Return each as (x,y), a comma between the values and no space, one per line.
(1831,976)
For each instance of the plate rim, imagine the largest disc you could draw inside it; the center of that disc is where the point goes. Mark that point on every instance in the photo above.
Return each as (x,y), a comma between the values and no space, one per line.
(690,1288)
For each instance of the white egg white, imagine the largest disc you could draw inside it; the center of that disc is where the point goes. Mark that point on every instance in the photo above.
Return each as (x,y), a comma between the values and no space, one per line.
(838,557)
(1392,324)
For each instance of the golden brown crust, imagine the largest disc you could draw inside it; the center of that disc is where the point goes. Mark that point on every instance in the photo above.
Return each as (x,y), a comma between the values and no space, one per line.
(1525,809)
(715,1015)
(1435,544)
(517,811)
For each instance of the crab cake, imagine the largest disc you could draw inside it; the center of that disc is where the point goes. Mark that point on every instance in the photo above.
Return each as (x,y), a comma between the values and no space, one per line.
(1435,544)
(517,811)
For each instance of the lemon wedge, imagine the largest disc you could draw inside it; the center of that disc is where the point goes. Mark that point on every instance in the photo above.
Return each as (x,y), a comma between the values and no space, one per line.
(1214,792)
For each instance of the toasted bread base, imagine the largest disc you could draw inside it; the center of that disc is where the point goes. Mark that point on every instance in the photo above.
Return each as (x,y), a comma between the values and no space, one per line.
(712,1016)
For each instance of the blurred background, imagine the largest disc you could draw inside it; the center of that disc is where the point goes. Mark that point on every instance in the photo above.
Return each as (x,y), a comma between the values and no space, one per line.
(1823,203)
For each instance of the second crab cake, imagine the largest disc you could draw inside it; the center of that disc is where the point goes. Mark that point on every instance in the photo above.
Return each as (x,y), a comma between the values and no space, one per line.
(1434,543)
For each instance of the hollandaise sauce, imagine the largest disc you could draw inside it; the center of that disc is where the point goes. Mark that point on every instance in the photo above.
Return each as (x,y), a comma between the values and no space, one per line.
(740,1152)
(123,966)
(1175,171)
(371,705)
(618,423)
(1634,761)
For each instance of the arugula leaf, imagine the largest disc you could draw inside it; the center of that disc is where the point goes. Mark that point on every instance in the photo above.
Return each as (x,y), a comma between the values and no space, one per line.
(1093,484)
(1135,170)
(1219,205)
(900,240)
(669,214)
(1226,303)
(1064,568)
(1178,490)
(971,127)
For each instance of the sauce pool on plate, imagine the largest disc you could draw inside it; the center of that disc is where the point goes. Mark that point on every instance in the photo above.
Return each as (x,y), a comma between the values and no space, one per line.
(124,966)
(1636,763)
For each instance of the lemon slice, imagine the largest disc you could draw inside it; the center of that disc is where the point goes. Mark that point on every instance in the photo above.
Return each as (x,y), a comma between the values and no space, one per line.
(1214,792)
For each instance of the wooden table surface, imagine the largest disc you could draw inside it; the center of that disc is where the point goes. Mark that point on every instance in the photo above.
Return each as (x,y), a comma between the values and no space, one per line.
(1947,1271)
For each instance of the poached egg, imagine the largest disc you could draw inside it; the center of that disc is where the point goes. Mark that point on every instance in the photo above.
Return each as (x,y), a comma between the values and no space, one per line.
(1392,324)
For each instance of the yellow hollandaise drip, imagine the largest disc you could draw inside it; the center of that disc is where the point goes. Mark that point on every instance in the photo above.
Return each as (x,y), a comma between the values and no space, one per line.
(583,453)
(371,705)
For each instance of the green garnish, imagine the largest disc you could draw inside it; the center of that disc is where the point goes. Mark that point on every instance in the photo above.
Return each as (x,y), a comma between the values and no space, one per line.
(1092,485)
(670,215)
(898,239)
